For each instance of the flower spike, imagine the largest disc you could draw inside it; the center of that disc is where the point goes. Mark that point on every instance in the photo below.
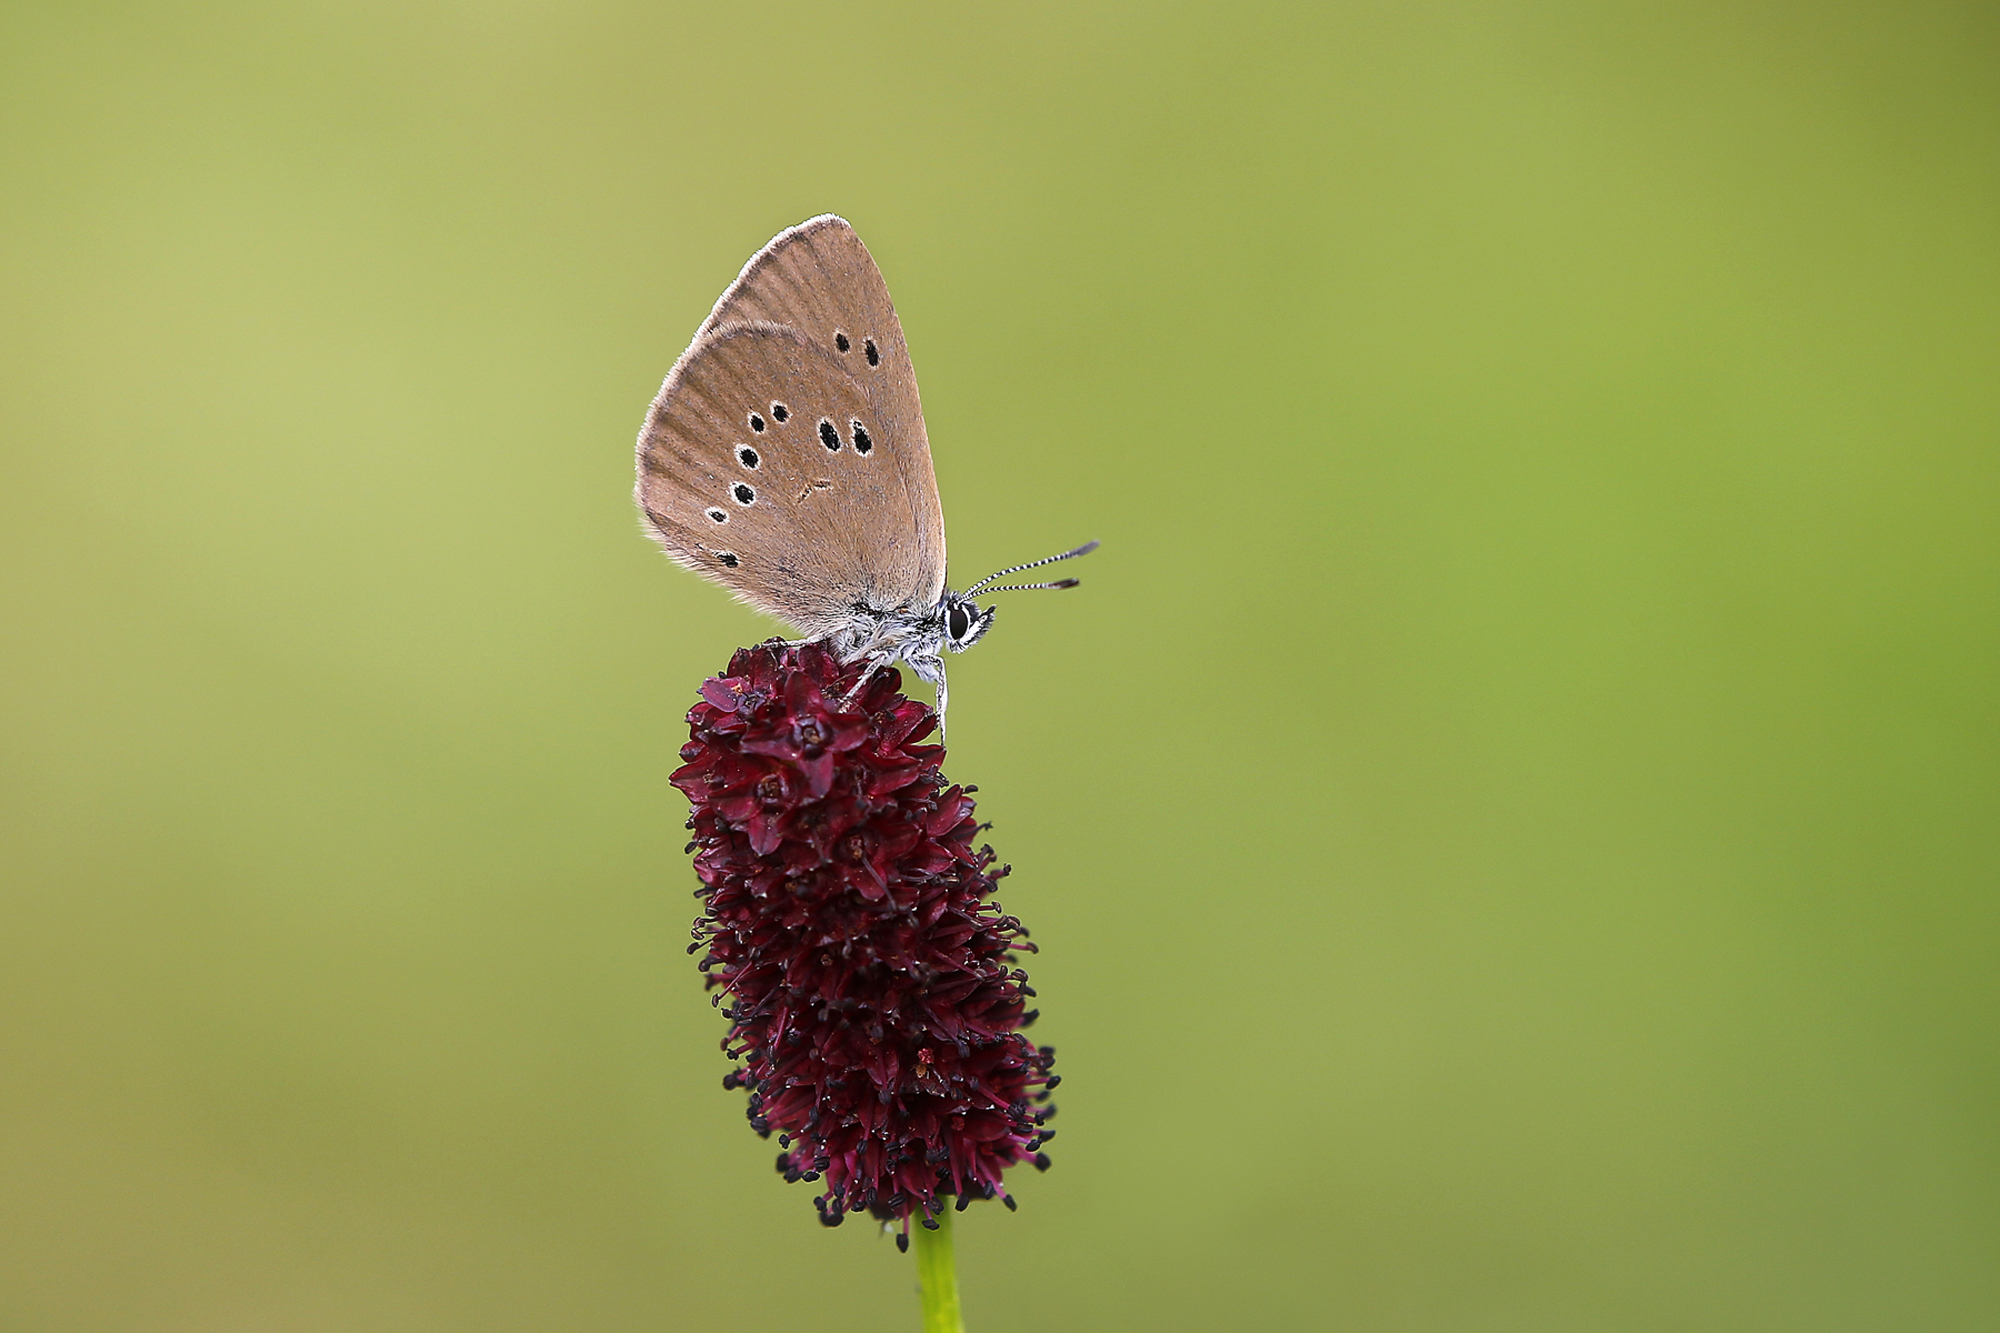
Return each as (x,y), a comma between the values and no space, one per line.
(869,980)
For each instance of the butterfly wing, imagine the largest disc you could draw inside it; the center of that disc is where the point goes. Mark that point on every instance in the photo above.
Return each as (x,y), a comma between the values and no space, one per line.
(804,342)
(802,519)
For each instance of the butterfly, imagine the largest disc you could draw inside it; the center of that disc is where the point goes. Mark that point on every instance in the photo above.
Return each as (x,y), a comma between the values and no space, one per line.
(785,459)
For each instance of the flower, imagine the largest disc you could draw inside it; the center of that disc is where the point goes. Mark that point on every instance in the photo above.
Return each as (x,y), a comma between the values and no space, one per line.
(872,987)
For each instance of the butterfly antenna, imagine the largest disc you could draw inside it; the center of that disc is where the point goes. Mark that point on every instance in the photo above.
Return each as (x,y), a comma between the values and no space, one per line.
(1084,549)
(1031,587)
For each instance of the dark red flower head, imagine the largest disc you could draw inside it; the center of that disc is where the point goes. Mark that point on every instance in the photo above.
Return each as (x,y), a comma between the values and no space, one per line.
(871,986)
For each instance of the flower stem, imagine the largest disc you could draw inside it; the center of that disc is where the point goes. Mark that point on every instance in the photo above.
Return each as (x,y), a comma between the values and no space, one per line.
(937,1277)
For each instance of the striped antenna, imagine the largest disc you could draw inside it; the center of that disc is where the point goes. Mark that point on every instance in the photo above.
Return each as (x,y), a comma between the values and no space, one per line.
(1084,549)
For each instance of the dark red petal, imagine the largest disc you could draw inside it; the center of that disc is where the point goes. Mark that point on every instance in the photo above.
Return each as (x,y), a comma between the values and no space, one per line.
(725,692)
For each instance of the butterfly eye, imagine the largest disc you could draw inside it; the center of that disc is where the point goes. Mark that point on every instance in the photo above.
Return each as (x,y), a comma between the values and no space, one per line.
(757,422)
(957,621)
(862,444)
(828,436)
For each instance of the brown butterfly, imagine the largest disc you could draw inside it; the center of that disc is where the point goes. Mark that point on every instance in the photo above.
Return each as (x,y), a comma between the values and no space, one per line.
(786,459)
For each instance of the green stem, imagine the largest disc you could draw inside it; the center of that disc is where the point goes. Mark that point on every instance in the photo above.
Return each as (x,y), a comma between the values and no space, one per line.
(937,1277)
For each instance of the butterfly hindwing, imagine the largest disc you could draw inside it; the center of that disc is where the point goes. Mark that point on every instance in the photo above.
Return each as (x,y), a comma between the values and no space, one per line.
(766,466)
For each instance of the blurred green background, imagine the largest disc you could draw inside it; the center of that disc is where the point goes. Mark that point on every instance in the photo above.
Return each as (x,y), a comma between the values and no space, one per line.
(1512,817)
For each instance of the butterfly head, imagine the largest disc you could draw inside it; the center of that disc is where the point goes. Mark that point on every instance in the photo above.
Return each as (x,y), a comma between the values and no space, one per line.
(961,619)
(964,621)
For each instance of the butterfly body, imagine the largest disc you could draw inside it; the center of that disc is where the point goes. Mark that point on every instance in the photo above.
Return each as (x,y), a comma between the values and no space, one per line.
(785,458)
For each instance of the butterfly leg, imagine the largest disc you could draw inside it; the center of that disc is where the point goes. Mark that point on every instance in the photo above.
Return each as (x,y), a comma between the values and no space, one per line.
(932,669)
(876,661)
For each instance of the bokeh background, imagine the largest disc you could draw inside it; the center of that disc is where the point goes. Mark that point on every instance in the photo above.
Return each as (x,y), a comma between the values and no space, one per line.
(1512,817)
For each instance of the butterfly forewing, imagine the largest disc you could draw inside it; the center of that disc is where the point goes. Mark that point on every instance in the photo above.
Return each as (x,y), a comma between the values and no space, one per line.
(802,346)
(819,281)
